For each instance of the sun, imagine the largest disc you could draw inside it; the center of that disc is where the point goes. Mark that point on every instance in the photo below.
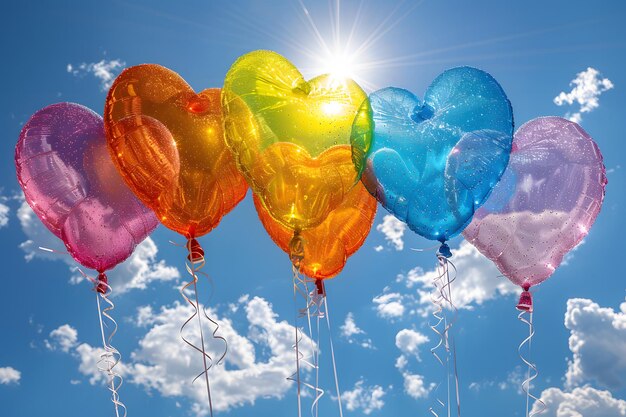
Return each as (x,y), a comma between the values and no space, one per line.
(340,66)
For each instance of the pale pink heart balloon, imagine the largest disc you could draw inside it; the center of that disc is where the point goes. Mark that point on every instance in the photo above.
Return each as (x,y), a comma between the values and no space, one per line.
(545,203)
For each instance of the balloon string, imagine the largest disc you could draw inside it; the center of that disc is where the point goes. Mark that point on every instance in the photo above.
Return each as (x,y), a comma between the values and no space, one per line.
(437,299)
(428,249)
(195,263)
(312,309)
(111,356)
(532,372)
(446,294)
(332,354)
(296,254)
(58,252)
(199,262)
(318,390)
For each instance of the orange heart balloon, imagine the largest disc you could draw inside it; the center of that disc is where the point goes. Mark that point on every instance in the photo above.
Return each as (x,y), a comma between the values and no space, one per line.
(168,144)
(328,245)
(291,137)
(308,188)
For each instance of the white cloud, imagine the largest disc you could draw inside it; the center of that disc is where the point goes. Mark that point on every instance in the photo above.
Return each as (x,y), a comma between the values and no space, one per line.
(9,376)
(513,381)
(145,316)
(365,398)
(257,365)
(137,272)
(478,280)
(105,71)
(401,362)
(393,229)
(389,305)
(598,342)
(581,402)
(349,331)
(140,270)
(409,342)
(4,215)
(612,170)
(349,327)
(587,88)
(414,386)
(62,338)
(39,236)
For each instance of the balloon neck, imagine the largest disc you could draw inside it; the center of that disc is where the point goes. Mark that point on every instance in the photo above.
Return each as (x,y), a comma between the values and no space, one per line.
(321,290)
(444,250)
(196,253)
(422,112)
(525,300)
(102,283)
(296,248)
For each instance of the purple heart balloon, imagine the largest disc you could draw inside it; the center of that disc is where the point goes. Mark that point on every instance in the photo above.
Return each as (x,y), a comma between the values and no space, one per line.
(545,203)
(67,176)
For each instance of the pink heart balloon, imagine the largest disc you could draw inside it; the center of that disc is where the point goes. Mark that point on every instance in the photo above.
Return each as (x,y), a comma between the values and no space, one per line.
(67,176)
(545,203)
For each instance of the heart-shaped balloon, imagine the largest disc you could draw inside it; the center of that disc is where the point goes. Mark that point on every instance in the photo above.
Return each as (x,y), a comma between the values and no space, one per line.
(328,245)
(168,144)
(432,163)
(545,203)
(291,137)
(69,180)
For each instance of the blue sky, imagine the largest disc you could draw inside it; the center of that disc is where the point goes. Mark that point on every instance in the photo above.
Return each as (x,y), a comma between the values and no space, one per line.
(533,48)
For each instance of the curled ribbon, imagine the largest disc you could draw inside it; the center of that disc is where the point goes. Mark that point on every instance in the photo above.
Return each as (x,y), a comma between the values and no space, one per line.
(312,308)
(195,262)
(441,297)
(111,356)
(525,306)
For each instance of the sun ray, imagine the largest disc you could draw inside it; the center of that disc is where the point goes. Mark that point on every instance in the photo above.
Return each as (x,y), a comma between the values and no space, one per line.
(468,45)
(313,26)
(384,27)
(355,23)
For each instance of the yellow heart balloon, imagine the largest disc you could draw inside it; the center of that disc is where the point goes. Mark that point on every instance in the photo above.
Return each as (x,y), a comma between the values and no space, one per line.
(291,137)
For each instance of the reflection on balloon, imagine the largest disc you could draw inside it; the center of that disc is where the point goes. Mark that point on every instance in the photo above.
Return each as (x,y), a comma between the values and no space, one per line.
(432,163)
(328,245)
(291,137)
(71,184)
(546,202)
(168,144)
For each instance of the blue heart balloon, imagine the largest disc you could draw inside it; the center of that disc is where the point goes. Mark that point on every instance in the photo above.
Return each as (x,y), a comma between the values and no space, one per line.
(433,163)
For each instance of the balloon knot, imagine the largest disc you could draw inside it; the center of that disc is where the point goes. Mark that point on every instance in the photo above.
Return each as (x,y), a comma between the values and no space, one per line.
(102,283)
(444,250)
(196,253)
(422,112)
(525,300)
(319,283)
